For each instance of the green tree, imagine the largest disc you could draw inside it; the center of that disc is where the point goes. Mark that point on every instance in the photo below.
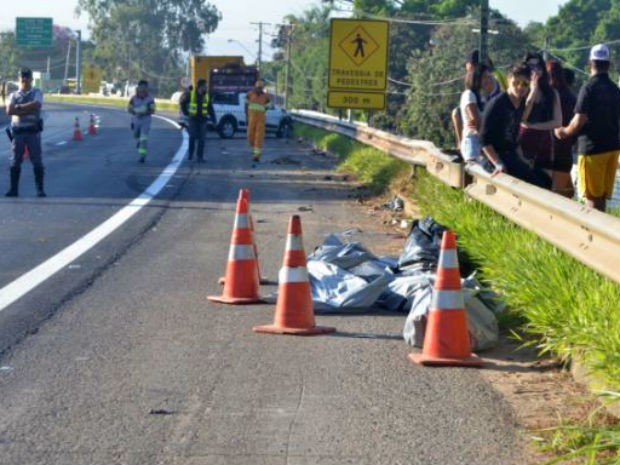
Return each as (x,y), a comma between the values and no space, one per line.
(574,27)
(309,58)
(10,56)
(148,38)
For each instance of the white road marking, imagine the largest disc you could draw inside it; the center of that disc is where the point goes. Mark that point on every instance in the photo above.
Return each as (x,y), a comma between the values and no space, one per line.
(28,281)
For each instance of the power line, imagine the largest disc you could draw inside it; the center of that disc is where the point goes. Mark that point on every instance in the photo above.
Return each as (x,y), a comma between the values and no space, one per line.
(421,22)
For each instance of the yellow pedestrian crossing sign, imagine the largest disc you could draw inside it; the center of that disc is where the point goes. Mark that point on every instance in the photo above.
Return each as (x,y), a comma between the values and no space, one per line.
(358,63)
(358,55)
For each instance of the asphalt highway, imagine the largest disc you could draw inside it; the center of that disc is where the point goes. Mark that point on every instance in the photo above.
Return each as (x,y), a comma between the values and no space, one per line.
(112,354)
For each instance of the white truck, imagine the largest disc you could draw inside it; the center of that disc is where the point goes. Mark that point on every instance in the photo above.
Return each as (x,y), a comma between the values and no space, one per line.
(230,112)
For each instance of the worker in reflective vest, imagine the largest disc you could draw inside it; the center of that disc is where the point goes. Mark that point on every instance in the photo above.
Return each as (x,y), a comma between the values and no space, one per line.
(196,105)
(257,101)
(141,106)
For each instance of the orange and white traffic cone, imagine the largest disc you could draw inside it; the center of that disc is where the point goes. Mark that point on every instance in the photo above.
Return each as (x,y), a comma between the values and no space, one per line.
(92,128)
(245,194)
(77,132)
(241,281)
(294,308)
(446,341)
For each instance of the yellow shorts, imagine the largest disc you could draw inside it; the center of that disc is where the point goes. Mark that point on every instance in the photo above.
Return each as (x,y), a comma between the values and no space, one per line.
(597,174)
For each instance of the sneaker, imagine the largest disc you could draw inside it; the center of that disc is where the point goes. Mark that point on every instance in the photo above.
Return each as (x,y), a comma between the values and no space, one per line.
(11,193)
(41,194)
(141,160)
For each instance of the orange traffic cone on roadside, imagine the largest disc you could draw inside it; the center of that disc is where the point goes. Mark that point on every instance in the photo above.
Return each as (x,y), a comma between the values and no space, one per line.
(77,132)
(446,341)
(245,194)
(241,280)
(92,128)
(294,308)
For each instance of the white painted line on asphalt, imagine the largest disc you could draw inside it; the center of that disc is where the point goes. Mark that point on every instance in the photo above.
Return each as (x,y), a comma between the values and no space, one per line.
(28,281)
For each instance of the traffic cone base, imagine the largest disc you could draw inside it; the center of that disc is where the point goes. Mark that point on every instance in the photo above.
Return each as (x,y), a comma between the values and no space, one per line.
(222,299)
(274,329)
(472,361)
(263,280)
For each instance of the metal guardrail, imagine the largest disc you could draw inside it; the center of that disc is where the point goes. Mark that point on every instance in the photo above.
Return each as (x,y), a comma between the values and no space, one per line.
(416,152)
(592,237)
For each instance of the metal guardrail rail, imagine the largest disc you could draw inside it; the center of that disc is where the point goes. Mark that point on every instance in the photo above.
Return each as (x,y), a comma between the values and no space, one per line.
(590,236)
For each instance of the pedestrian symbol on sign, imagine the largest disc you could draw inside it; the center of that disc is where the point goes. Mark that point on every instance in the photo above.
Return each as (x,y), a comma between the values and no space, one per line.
(359,45)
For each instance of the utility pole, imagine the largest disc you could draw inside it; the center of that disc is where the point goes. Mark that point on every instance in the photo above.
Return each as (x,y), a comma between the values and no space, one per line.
(78,62)
(260,42)
(546,49)
(67,63)
(287,77)
(484,30)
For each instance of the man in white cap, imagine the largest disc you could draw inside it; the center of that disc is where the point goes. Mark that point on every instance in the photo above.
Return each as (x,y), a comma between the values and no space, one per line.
(597,125)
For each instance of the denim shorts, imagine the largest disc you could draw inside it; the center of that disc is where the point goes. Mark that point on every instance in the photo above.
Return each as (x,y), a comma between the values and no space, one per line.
(471,147)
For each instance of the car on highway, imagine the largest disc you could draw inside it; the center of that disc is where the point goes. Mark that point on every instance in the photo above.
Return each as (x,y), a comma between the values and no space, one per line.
(230,111)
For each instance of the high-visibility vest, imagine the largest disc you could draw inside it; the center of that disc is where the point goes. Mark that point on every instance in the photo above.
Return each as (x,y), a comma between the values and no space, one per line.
(257,102)
(193,104)
(257,107)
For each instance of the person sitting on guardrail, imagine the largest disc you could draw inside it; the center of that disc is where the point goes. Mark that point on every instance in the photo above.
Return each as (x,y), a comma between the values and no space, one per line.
(499,134)
(489,88)
(141,106)
(597,125)
(470,107)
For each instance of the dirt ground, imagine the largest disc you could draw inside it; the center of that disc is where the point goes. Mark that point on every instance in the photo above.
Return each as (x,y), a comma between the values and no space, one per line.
(542,393)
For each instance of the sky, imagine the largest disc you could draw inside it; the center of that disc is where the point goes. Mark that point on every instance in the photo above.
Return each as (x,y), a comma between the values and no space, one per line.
(236,33)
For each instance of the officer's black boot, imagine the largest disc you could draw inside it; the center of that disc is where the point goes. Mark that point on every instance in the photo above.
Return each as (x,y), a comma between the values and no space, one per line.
(39,174)
(14,190)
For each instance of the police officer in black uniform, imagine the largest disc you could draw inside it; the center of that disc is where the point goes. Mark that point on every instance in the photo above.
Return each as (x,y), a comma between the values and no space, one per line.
(24,108)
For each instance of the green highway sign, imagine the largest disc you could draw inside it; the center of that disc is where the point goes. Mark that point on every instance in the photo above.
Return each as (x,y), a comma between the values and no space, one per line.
(34,32)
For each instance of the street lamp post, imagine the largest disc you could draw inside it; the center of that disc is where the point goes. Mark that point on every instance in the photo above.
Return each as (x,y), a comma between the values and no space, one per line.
(484,30)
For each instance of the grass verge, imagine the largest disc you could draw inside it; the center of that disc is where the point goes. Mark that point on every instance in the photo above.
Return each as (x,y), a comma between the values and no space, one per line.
(115,102)
(561,306)
(371,167)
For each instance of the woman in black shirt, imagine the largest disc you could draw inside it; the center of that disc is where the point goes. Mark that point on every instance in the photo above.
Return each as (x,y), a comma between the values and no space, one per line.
(501,122)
